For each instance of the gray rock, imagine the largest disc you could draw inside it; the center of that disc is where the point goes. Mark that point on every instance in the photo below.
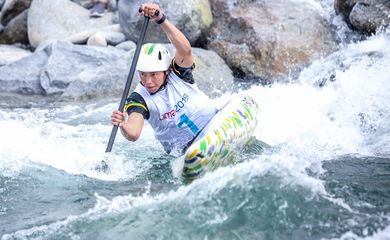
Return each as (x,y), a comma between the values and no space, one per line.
(71,71)
(66,70)
(78,38)
(61,19)
(16,30)
(366,16)
(112,4)
(15,100)
(97,39)
(268,40)
(193,17)
(211,73)
(44,45)
(127,45)
(371,16)
(344,7)
(107,36)
(84,3)
(13,8)
(82,37)
(23,76)
(10,54)
(68,63)
(114,38)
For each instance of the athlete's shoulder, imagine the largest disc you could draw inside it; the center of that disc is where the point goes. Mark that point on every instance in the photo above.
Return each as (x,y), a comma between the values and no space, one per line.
(136,103)
(184,73)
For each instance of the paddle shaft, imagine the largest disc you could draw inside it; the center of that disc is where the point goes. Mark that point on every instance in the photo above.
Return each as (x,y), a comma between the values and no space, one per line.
(129,81)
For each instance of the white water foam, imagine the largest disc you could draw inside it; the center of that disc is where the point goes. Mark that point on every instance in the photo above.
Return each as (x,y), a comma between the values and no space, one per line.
(312,124)
(34,136)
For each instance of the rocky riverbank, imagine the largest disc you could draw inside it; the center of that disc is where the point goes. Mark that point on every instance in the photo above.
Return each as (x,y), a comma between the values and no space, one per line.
(54,50)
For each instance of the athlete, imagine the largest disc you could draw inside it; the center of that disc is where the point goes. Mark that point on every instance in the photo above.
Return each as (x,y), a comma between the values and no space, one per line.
(167,95)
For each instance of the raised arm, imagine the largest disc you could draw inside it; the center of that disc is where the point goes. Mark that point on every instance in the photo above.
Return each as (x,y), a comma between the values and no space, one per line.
(183,54)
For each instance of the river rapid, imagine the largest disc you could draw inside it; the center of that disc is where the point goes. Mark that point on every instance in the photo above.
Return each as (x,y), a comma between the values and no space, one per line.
(327,176)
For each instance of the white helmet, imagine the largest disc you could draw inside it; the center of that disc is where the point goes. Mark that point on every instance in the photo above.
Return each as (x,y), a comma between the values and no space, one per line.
(154,57)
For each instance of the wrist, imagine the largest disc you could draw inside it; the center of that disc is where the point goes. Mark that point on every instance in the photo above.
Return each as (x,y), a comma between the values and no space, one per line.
(162,19)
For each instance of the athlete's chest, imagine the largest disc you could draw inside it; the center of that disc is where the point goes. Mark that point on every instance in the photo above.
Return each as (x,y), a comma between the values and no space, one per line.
(173,102)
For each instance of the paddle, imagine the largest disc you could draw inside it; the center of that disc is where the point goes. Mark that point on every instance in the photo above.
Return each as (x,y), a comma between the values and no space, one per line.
(129,81)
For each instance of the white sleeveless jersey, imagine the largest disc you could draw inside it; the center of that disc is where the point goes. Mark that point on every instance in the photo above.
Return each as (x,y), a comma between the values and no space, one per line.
(177,113)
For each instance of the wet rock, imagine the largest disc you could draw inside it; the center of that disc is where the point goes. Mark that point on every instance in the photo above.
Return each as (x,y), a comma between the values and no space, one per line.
(344,7)
(268,40)
(367,16)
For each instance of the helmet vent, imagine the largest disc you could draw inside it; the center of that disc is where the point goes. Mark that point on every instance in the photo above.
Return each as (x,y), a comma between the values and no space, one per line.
(155,58)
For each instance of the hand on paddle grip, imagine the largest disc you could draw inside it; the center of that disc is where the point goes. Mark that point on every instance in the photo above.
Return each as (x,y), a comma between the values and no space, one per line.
(118,118)
(151,10)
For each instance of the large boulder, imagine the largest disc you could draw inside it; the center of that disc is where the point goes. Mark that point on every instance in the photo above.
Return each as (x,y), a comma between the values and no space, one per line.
(211,73)
(267,40)
(366,16)
(112,4)
(95,70)
(68,71)
(192,17)
(84,3)
(62,19)
(16,30)
(344,7)
(22,76)
(13,17)
(10,54)
(53,71)
(13,8)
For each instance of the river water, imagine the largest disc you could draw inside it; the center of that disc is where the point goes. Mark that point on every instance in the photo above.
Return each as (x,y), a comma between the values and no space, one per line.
(327,176)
